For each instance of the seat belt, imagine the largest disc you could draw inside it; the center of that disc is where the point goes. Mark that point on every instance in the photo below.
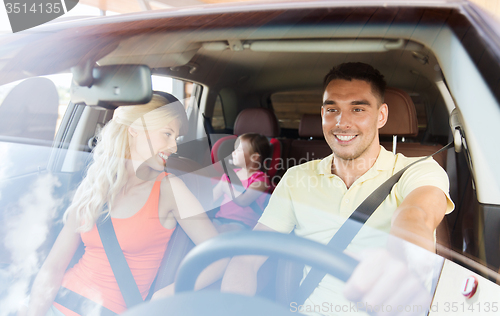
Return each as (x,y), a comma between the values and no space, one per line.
(254,206)
(126,282)
(80,304)
(231,174)
(223,163)
(351,227)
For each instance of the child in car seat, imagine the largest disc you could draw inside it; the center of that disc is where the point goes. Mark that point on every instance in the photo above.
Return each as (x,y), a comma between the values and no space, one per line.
(251,153)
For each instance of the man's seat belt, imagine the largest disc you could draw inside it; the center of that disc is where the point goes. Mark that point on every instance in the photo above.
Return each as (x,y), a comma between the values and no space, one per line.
(351,227)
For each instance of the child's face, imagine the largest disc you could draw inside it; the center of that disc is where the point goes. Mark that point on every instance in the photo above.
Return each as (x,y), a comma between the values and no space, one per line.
(241,154)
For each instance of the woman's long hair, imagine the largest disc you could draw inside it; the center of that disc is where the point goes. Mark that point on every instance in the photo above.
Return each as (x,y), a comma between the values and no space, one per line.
(107,174)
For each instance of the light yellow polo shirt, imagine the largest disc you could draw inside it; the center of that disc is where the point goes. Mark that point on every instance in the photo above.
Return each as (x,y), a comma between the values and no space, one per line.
(315,203)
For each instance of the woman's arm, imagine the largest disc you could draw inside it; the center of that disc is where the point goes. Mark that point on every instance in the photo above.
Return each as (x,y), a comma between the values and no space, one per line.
(241,273)
(198,227)
(49,278)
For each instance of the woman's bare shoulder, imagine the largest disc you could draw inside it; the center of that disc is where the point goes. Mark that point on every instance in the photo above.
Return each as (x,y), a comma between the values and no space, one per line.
(171,189)
(170,182)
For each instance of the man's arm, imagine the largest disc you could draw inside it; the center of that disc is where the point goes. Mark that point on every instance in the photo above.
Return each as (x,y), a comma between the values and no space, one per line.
(241,273)
(416,219)
(382,275)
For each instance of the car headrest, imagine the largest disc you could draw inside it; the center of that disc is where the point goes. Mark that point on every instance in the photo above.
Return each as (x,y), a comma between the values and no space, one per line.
(402,119)
(30,110)
(257,120)
(310,126)
(170,98)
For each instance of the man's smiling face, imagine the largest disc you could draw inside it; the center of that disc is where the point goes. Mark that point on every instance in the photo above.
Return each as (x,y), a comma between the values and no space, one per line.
(351,116)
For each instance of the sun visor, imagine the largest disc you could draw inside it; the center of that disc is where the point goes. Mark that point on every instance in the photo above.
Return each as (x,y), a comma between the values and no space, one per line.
(112,86)
(155,50)
(152,60)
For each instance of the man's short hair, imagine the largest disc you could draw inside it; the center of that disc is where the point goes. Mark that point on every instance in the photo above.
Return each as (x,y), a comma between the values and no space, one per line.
(358,71)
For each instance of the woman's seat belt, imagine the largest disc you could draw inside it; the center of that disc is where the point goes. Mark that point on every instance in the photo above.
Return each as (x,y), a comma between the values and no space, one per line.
(126,282)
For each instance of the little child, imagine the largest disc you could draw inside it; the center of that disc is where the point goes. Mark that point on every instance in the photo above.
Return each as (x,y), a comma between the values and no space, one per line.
(243,212)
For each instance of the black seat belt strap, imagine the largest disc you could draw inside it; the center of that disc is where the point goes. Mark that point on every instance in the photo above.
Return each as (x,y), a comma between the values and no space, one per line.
(118,263)
(351,227)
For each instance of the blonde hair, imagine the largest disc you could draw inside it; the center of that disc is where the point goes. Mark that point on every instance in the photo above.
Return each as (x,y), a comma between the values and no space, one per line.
(106,175)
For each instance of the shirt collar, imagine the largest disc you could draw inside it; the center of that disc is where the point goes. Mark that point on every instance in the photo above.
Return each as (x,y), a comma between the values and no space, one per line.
(385,161)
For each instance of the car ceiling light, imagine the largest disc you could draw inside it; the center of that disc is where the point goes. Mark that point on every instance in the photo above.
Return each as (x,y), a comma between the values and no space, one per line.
(215,46)
(235,45)
(313,46)
(423,59)
(328,46)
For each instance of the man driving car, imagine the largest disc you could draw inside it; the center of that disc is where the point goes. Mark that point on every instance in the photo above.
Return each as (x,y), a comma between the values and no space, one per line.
(314,199)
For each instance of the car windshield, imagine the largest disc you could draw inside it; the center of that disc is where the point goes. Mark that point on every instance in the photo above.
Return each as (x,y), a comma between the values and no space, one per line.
(220,117)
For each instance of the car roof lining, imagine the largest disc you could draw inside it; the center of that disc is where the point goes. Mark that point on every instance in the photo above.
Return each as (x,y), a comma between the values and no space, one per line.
(177,47)
(436,28)
(74,46)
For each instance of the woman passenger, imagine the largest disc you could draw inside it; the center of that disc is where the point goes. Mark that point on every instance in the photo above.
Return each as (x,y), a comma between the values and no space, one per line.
(126,182)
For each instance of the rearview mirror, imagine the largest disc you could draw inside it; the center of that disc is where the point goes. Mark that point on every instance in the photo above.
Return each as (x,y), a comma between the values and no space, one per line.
(114,85)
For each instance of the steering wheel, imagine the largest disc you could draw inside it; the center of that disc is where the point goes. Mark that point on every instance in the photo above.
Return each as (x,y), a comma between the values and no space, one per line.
(188,303)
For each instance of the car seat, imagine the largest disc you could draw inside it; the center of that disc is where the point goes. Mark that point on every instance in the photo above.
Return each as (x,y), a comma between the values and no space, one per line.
(311,145)
(30,110)
(254,120)
(402,122)
(193,176)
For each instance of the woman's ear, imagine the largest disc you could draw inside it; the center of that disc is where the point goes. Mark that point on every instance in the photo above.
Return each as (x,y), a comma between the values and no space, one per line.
(132,131)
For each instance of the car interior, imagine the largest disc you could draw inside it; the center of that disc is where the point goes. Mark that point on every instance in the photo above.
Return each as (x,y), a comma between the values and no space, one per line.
(262,71)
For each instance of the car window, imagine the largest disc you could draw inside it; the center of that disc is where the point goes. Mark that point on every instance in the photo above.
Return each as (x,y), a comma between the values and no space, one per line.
(180,89)
(218,120)
(183,91)
(289,106)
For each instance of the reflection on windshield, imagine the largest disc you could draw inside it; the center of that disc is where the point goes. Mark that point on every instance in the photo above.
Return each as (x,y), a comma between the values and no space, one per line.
(28,221)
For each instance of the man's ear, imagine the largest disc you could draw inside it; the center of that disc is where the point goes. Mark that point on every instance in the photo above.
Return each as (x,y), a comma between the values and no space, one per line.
(383,115)
(132,131)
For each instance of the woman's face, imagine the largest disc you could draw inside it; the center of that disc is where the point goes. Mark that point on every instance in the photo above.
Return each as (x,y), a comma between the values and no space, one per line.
(154,146)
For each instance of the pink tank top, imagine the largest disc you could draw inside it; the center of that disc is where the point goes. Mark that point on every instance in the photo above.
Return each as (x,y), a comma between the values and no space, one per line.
(143,240)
